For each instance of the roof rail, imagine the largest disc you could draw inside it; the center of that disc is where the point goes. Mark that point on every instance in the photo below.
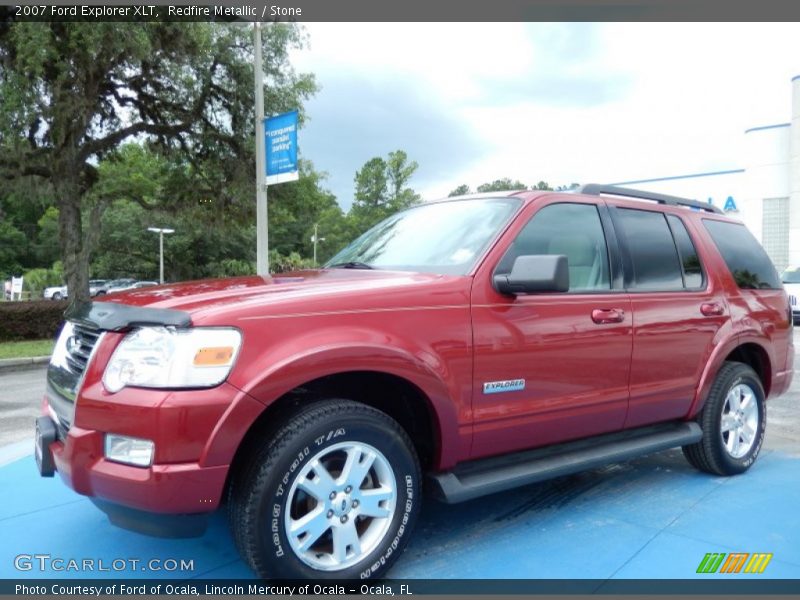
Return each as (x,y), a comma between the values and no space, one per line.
(595,189)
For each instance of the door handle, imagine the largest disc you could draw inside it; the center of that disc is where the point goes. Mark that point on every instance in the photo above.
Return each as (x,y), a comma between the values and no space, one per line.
(602,316)
(712,309)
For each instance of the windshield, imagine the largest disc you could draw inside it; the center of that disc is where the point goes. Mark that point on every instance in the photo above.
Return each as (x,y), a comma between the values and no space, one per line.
(444,237)
(791,275)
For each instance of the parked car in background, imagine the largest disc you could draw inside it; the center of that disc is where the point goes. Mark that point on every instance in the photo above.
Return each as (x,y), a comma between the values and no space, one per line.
(132,286)
(113,284)
(791,283)
(57,292)
(95,285)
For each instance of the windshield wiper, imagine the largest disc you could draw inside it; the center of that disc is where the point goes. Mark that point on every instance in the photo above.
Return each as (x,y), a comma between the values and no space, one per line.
(351,265)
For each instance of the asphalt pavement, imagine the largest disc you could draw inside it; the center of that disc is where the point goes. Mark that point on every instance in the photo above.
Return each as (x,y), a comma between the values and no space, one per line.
(20,401)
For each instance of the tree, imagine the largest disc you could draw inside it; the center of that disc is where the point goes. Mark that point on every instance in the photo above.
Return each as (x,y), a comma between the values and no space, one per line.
(295,207)
(71,93)
(461,190)
(502,185)
(13,244)
(382,189)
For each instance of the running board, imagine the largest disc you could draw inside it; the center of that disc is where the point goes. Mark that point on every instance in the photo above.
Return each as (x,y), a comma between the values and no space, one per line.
(490,475)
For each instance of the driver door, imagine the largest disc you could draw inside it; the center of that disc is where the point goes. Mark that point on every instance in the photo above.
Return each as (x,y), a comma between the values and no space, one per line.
(551,367)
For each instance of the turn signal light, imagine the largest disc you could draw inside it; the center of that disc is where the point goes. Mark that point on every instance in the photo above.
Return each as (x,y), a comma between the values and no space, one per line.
(214,357)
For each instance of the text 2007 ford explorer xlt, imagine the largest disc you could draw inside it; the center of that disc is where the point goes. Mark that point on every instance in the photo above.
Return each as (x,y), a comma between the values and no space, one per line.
(485,342)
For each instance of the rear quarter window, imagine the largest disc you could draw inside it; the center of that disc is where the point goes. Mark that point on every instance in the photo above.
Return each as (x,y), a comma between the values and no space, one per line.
(746,259)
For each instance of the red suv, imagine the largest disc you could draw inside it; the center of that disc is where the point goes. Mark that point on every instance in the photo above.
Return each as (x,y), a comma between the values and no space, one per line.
(486,342)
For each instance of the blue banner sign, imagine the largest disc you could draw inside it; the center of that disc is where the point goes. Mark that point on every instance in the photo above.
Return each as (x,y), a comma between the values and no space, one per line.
(280,136)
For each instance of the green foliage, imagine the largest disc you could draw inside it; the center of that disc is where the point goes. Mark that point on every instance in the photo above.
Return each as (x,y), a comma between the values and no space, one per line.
(72,93)
(461,190)
(382,189)
(279,263)
(232,267)
(46,249)
(13,246)
(293,210)
(501,185)
(36,280)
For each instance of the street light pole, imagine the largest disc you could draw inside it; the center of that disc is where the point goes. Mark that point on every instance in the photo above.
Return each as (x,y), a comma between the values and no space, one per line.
(262,220)
(160,231)
(315,238)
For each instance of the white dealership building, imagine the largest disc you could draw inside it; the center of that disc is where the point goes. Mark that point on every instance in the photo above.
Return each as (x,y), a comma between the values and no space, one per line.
(764,193)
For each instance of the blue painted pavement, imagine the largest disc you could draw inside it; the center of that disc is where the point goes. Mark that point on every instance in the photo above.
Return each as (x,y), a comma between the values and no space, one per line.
(655,517)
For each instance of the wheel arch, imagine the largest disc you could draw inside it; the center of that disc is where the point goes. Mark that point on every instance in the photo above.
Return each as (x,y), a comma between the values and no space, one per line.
(399,397)
(745,350)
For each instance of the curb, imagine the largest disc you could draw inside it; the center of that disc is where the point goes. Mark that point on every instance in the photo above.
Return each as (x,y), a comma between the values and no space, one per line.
(21,364)
(13,452)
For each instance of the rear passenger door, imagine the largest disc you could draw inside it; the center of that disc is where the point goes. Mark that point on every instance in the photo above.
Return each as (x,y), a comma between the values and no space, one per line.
(677,311)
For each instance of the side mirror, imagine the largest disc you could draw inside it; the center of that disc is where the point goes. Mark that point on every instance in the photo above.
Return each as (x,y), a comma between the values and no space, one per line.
(536,273)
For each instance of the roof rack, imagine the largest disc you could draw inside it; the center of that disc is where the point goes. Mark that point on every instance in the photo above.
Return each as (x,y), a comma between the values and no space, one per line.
(595,189)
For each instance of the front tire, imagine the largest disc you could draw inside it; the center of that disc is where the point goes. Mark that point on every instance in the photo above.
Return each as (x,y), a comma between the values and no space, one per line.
(332,494)
(734,422)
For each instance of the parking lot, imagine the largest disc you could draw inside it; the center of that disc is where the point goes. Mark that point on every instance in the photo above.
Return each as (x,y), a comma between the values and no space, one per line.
(651,518)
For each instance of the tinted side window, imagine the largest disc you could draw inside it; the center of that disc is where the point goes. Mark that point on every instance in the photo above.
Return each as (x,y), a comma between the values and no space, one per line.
(748,263)
(652,249)
(573,230)
(690,261)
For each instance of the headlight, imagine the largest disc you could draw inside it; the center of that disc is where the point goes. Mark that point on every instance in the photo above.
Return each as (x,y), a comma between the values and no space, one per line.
(161,357)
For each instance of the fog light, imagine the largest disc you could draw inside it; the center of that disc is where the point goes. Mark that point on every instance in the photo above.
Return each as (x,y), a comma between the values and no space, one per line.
(129,450)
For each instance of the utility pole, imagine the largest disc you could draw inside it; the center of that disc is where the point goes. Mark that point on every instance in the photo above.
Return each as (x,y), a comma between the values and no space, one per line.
(315,238)
(262,223)
(160,231)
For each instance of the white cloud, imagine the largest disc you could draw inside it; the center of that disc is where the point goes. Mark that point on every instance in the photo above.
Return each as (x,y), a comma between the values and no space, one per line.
(567,102)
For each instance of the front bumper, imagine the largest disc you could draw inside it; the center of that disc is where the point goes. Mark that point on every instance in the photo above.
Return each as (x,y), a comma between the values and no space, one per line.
(171,488)
(196,433)
(163,500)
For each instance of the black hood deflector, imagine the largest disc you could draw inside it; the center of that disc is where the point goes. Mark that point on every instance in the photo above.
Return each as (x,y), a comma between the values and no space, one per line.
(112,316)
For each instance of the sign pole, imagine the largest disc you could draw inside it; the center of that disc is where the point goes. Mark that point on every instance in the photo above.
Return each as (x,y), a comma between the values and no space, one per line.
(315,244)
(262,223)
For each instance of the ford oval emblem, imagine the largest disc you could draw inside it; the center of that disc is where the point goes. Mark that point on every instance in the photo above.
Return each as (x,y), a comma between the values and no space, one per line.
(73,343)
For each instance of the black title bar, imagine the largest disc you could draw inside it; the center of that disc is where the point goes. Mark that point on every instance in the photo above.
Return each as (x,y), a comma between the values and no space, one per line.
(408,10)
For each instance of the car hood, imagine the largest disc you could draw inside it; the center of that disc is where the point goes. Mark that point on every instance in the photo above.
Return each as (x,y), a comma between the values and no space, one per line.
(325,289)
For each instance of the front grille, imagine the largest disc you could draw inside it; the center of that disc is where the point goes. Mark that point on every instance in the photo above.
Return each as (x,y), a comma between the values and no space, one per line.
(67,367)
(79,347)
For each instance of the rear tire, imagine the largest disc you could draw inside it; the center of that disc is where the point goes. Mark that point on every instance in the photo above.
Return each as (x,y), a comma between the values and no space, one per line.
(333,494)
(734,422)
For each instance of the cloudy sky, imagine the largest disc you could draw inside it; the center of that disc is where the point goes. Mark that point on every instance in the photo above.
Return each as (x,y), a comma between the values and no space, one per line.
(560,102)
